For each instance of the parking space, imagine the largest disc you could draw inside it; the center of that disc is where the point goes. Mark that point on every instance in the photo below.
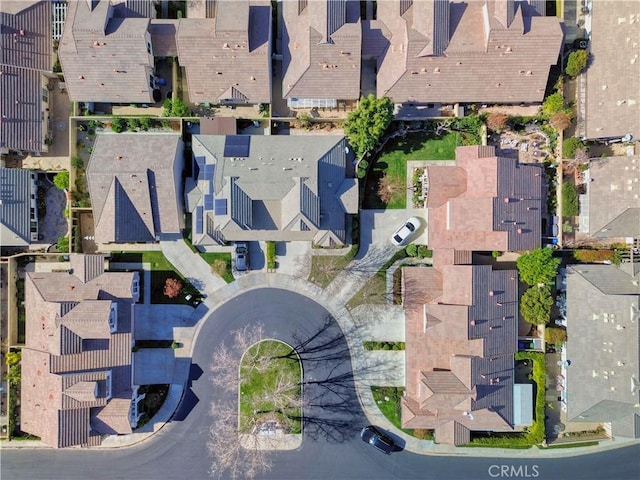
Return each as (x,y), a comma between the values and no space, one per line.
(153,366)
(157,322)
(377,226)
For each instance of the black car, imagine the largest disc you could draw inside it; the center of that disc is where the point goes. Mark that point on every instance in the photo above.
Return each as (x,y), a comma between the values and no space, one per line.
(377,438)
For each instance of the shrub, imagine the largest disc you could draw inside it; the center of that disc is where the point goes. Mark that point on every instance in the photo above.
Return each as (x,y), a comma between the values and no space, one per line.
(63,244)
(595,255)
(412,250)
(132,124)
(555,335)
(423,434)
(569,147)
(496,121)
(424,252)
(77,162)
(570,204)
(175,345)
(145,123)
(576,62)
(271,255)
(496,254)
(172,287)
(535,305)
(560,121)
(554,103)
(118,124)
(61,180)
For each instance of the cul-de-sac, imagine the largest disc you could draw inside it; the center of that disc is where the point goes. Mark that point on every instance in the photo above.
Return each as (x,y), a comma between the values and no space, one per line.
(315,239)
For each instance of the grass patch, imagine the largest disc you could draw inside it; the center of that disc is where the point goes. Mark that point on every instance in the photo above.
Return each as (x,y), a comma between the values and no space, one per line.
(161,270)
(374,292)
(324,268)
(259,395)
(571,445)
(220,264)
(393,163)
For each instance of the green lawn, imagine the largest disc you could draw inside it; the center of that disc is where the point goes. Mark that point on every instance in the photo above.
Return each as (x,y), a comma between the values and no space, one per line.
(393,163)
(220,264)
(258,386)
(161,269)
(324,268)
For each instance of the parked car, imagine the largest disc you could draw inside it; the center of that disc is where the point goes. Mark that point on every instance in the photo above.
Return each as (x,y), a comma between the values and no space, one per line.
(402,235)
(378,439)
(242,257)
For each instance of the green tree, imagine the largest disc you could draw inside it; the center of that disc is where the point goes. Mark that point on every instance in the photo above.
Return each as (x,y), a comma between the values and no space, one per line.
(570,204)
(554,103)
(570,146)
(13,358)
(576,62)
(538,266)
(366,124)
(61,180)
(535,305)
(118,124)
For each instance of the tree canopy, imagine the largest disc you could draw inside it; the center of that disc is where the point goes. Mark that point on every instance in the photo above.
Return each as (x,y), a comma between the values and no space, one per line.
(535,305)
(576,62)
(538,266)
(496,121)
(554,103)
(366,124)
(61,180)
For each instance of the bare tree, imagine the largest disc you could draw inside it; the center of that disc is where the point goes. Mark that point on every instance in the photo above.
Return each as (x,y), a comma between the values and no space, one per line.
(496,121)
(390,188)
(560,121)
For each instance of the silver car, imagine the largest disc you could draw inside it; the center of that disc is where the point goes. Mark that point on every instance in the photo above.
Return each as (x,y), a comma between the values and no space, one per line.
(242,257)
(402,235)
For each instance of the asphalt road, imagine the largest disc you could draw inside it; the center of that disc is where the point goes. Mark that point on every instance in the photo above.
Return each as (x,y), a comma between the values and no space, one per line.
(331,448)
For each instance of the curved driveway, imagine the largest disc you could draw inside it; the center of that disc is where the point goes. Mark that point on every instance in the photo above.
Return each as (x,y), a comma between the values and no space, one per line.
(331,447)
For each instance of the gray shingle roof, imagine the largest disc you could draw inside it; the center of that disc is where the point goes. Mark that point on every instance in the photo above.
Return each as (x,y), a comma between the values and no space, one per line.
(135,195)
(603,313)
(483,61)
(25,53)
(227,58)
(17,199)
(105,58)
(613,196)
(613,76)
(322,47)
(271,188)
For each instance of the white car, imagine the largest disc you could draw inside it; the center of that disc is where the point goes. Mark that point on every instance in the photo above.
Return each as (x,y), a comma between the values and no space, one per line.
(402,234)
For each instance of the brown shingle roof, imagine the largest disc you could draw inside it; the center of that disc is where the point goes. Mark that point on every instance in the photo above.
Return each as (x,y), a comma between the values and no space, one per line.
(494,205)
(227,58)
(71,363)
(322,50)
(460,330)
(498,65)
(105,59)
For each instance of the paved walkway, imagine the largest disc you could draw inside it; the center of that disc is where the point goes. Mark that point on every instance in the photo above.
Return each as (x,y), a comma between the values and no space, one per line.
(192,266)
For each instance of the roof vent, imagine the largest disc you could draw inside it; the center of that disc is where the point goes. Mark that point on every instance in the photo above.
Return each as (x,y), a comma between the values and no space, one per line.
(81,77)
(225,46)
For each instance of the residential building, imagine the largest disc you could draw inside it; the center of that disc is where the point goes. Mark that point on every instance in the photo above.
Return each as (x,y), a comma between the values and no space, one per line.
(321,58)
(461,336)
(106,53)
(77,362)
(602,374)
(610,207)
(227,58)
(271,188)
(135,184)
(611,82)
(25,71)
(484,203)
(493,51)
(18,207)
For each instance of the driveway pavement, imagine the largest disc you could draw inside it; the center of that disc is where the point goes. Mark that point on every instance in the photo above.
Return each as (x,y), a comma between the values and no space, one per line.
(380,323)
(153,366)
(157,322)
